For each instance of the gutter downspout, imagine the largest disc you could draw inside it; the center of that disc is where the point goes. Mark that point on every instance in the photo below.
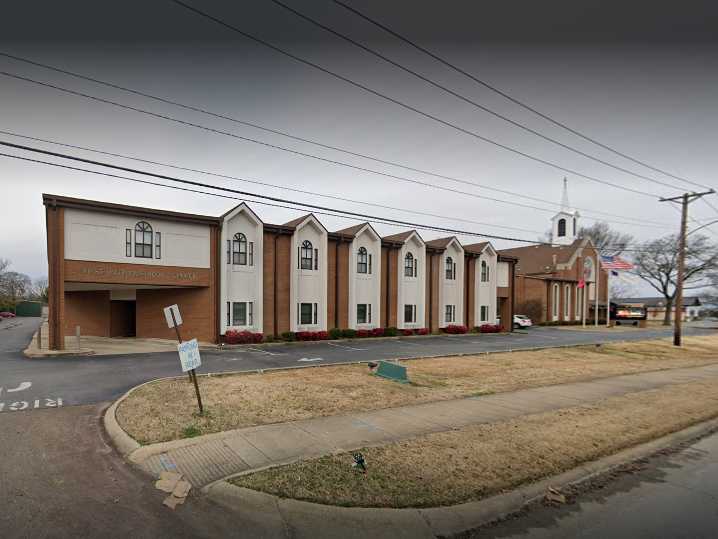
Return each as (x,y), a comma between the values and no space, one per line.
(431,293)
(387,303)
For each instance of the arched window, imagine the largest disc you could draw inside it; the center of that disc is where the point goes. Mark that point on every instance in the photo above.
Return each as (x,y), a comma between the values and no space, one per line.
(143,240)
(561,228)
(307,255)
(484,272)
(450,268)
(362,261)
(555,301)
(566,301)
(239,249)
(579,303)
(409,265)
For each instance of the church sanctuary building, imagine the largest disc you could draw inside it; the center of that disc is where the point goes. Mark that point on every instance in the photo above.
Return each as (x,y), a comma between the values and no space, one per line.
(561,282)
(113,268)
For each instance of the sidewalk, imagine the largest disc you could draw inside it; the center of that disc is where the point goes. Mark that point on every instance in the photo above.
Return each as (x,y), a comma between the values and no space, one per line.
(207,459)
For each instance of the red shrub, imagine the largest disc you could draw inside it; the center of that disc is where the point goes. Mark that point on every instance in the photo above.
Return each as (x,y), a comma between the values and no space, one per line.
(407,332)
(422,331)
(322,335)
(312,335)
(232,336)
(454,329)
(489,328)
(377,332)
(363,333)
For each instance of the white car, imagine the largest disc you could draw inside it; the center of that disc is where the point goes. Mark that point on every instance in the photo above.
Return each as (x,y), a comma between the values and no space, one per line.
(522,321)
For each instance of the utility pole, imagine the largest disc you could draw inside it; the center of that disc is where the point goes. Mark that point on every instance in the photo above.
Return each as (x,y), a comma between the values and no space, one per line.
(685,199)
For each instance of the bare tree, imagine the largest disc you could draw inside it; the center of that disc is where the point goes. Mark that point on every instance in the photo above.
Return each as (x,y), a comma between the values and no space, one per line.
(607,240)
(656,263)
(40,289)
(13,285)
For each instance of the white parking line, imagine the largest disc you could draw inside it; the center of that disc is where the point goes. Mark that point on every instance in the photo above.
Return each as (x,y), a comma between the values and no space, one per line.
(347,347)
(307,359)
(258,350)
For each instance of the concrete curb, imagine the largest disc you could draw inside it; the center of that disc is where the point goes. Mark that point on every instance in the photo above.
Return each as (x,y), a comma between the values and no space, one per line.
(450,520)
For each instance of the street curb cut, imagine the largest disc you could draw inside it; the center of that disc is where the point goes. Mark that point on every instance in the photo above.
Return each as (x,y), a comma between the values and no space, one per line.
(451,520)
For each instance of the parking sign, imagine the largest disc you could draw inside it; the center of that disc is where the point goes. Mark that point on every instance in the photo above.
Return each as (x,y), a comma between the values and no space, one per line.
(189,355)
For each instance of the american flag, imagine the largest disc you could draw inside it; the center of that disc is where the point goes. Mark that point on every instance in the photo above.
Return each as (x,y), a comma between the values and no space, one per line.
(615,263)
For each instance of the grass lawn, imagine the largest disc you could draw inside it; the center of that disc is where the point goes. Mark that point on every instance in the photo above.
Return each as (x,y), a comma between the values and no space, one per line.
(458,466)
(166,410)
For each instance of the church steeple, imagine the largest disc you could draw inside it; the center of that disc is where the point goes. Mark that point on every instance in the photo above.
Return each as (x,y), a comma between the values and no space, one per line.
(564,228)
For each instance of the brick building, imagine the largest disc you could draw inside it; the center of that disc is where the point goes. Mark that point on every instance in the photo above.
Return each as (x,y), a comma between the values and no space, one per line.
(563,281)
(112,268)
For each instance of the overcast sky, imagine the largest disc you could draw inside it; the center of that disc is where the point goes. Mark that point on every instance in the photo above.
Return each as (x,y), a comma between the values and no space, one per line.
(639,76)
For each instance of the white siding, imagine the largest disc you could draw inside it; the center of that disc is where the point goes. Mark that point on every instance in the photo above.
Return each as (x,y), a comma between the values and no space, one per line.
(486,291)
(242,283)
(100,236)
(412,290)
(365,287)
(451,292)
(309,286)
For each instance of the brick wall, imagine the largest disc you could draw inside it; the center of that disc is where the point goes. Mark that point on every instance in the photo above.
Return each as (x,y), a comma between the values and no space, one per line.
(89,309)
(195,305)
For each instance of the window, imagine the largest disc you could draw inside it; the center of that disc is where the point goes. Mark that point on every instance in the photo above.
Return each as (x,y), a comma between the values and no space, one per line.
(239,249)
(409,314)
(306,256)
(450,313)
(128,242)
(251,253)
(143,240)
(362,261)
(574,226)
(239,314)
(484,272)
(555,301)
(364,313)
(561,228)
(316,258)
(484,313)
(307,313)
(450,268)
(409,265)
(158,245)
(370,264)
(566,301)
(229,252)
(579,303)
(229,319)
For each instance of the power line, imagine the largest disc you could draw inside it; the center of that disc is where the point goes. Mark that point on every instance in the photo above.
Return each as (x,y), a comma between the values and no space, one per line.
(403,104)
(288,135)
(275,146)
(245,193)
(507,96)
(463,97)
(266,184)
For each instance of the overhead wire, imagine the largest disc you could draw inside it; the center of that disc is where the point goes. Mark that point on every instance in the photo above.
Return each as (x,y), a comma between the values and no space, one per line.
(276,146)
(509,97)
(291,136)
(403,104)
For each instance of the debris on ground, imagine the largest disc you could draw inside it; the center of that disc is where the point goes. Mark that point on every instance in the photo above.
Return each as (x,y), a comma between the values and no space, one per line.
(554,496)
(177,488)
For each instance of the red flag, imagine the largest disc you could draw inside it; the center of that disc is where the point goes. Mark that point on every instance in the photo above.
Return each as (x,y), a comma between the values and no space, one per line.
(581,283)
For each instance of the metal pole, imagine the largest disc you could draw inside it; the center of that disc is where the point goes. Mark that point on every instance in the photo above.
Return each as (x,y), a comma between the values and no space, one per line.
(193,376)
(598,288)
(608,298)
(681,270)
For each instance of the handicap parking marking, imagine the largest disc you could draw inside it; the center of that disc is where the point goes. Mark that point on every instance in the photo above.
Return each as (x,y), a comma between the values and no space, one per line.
(344,347)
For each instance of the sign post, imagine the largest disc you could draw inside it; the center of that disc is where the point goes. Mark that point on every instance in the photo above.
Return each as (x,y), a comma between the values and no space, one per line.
(188,351)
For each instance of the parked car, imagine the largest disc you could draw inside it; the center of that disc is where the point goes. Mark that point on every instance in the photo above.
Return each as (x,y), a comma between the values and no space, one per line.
(522,321)
(5,314)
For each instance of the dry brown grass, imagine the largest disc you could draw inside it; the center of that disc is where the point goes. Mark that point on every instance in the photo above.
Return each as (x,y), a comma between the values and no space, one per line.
(161,411)
(458,466)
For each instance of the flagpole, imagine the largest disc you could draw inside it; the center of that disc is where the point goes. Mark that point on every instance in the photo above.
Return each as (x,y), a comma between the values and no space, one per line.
(608,298)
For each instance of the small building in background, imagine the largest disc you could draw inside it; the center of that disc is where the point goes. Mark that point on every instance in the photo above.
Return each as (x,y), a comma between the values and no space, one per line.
(656,307)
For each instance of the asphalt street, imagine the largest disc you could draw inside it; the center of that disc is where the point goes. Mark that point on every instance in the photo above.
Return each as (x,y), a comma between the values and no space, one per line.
(33,384)
(672,496)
